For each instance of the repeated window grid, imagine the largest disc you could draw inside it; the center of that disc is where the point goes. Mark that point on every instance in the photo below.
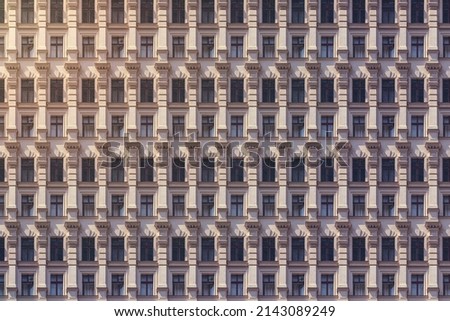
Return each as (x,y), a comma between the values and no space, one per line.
(298,249)
(88,205)
(417,169)
(417,249)
(358,249)
(208,169)
(327,248)
(178,205)
(146,249)
(359,90)
(417,90)
(388,169)
(56,205)
(236,249)
(88,249)
(298,93)
(27,11)
(56,249)
(56,126)
(388,126)
(146,126)
(208,92)
(178,284)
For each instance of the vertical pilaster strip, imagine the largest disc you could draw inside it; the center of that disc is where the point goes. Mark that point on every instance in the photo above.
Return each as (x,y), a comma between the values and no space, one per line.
(12,242)
(252,259)
(403,227)
(132,245)
(102,253)
(42,243)
(222,256)
(192,245)
(343,257)
(72,242)
(373,245)
(162,243)
(312,242)
(283,288)
(433,259)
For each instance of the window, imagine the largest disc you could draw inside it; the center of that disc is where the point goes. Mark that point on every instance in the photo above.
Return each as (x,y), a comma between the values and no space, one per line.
(146,248)
(117,47)
(446,249)
(388,126)
(359,90)
(117,91)
(56,248)
(88,205)
(178,91)
(388,203)
(268,88)
(208,91)
(326,11)
(298,126)
(446,284)
(88,249)
(2,20)
(236,205)
(2,208)
(417,249)
(388,169)
(326,284)
(2,169)
(208,47)
(88,47)
(178,11)
(417,90)
(268,249)
(178,284)
(27,281)
(268,47)
(298,205)
(146,47)
(417,205)
(359,47)
(207,11)
(117,205)
(237,170)
(88,91)
(2,250)
(446,169)
(117,284)
(417,47)
(27,249)
(207,249)
(417,11)
(178,170)
(146,288)
(237,90)
(298,249)
(27,169)
(88,285)
(326,90)
(236,249)
(268,205)
(27,91)
(359,249)
(359,284)
(446,204)
(56,169)
(268,284)
(298,11)
(387,249)
(446,94)
(388,11)
(326,249)
(56,284)
(146,91)
(237,284)
(56,126)
(359,11)
(359,169)
(297,165)
(27,205)
(56,11)
(178,125)
(327,205)
(326,47)
(146,11)
(327,170)
(27,11)
(56,47)
(146,169)
(2,88)
(88,169)
(445,11)
(208,205)
(178,47)
(117,11)
(237,126)
(237,11)
(268,168)
(298,90)
(417,169)
(237,47)
(88,11)
(268,127)
(268,11)
(117,123)
(387,90)
(178,249)
(27,47)
(56,205)
(298,284)
(208,166)
(207,126)
(117,249)
(417,126)
(388,47)
(359,205)
(146,208)
(117,170)
(178,205)
(446,41)
(298,47)
(417,285)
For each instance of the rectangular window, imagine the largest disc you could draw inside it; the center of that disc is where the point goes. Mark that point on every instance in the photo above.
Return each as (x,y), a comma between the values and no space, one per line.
(56,169)
(56,11)
(237,47)
(417,11)
(88,284)
(417,285)
(2,169)
(208,206)
(268,11)
(146,90)
(388,169)
(2,20)
(117,205)
(298,11)
(178,249)
(27,249)
(297,165)
(236,285)
(117,90)
(268,127)
(298,205)
(27,281)
(178,284)
(27,205)
(388,50)
(207,11)
(268,88)
(446,11)
(146,287)
(146,208)
(417,169)
(446,41)
(27,47)
(2,250)
(237,126)
(326,47)
(237,11)
(146,249)
(56,126)
(268,284)
(88,169)
(359,169)
(359,11)
(146,47)
(207,126)
(208,170)
(56,205)
(2,87)
(88,205)
(208,47)
(237,90)
(88,249)
(298,90)
(178,205)
(326,249)
(327,284)
(146,168)
(388,126)
(388,11)
(236,249)
(298,284)
(446,205)
(118,170)
(327,205)
(146,126)
(88,47)
(327,11)
(446,169)
(298,126)
(359,205)
(237,170)
(417,205)
(178,47)
(388,205)
(208,92)
(268,249)
(178,11)
(298,249)
(117,11)
(359,284)
(118,126)
(146,11)
(359,47)
(268,47)
(446,283)
(298,47)
(359,90)
(327,170)
(236,205)
(88,11)
(178,91)
(417,49)
(178,170)
(417,249)
(27,11)
(27,169)
(387,90)
(117,284)
(207,244)
(417,126)
(268,205)
(117,44)
(27,91)
(2,126)
(446,249)
(359,249)
(117,249)
(56,284)
(327,90)
(56,249)
(388,249)
(417,91)
(88,90)
(446,90)
(56,47)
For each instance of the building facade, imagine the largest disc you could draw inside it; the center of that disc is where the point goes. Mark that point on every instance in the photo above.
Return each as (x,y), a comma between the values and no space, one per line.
(225,150)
